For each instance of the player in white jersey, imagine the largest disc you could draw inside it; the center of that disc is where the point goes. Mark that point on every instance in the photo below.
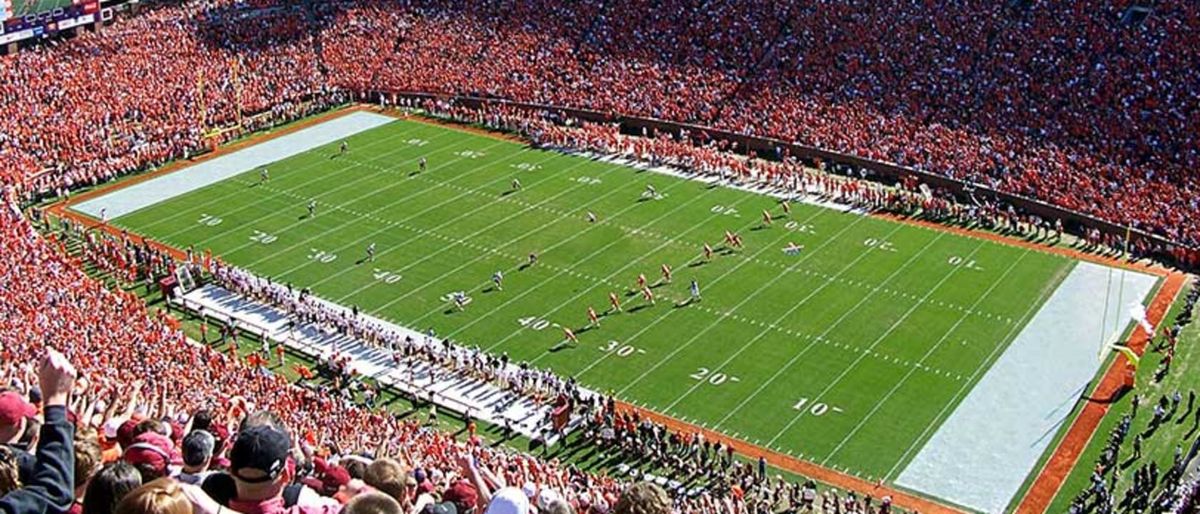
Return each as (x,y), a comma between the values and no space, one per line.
(344,148)
(650,192)
(421,164)
(695,289)
(263,176)
(498,280)
(516,184)
(371,252)
(312,208)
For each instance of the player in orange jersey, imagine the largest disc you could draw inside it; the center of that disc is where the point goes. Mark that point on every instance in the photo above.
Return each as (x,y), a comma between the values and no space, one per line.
(592,317)
(614,302)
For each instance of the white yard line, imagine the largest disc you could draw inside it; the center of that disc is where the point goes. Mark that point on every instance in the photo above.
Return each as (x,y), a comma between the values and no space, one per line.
(987,363)
(197,207)
(341,226)
(461,240)
(771,247)
(769,327)
(828,329)
(945,337)
(871,348)
(537,286)
(389,224)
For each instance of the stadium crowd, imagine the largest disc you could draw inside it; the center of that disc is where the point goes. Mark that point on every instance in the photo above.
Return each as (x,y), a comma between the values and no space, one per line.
(1063,102)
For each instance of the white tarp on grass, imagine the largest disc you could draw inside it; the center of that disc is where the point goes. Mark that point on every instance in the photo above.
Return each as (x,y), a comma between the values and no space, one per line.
(138,196)
(981,455)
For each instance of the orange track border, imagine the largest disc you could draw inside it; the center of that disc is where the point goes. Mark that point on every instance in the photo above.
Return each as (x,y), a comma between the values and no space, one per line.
(1066,455)
(1036,500)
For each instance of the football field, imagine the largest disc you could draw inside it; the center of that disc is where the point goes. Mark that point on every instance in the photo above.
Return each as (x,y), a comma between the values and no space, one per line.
(848,353)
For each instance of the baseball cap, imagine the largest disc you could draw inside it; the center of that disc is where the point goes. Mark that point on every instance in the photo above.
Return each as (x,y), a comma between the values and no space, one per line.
(259,448)
(14,408)
(461,494)
(150,449)
(508,500)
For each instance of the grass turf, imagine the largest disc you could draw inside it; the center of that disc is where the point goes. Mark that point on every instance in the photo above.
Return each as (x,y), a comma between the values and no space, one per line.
(849,354)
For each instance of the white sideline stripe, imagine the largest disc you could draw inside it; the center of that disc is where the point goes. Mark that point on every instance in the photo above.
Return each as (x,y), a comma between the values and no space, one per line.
(459,392)
(200,206)
(1026,396)
(695,337)
(945,337)
(150,192)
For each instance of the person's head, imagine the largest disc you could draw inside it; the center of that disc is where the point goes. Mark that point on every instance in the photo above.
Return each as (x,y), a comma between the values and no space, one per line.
(15,413)
(108,486)
(388,476)
(557,506)
(355,468)
(10,472)
(463,495)
(258,462)
(198,449)
(151,453)
(643,498)
(373,503)
(508,500)
(87,459)
(162,496)
(220,487)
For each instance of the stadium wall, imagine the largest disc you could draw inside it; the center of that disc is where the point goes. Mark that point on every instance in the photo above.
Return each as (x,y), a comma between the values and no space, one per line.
(1159,248)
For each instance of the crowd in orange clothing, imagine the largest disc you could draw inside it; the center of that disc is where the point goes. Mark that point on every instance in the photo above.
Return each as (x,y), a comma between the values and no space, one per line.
(1061,102)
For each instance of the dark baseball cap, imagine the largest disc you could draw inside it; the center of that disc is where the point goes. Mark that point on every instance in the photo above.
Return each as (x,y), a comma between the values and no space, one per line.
(259,448)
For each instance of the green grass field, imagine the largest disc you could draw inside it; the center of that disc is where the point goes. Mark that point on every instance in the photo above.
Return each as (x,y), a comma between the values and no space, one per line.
(849,354)
(25,7)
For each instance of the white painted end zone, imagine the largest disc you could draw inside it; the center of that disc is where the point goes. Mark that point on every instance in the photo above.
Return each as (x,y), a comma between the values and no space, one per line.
(150,192)
(980,456)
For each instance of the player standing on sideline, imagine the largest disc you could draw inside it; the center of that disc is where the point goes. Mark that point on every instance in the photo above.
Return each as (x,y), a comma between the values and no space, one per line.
(708,252)
(264,176)
(312,208)
(666,273)
(593,319)
(498,280)
(371,252)
(648,295)
(591,217)
(766,218)
(614,302)
(695,289)
(104,215)
(421,165)
(344,148)
(516,184)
